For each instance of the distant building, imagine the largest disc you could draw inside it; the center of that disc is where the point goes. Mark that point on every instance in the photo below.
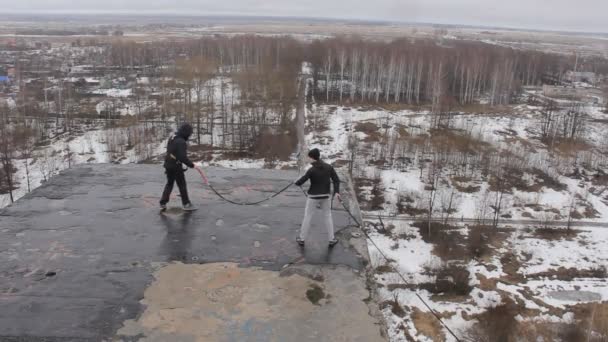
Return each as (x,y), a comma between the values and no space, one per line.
(578,76)
(81,70)
(91,81)
(589,95)
(8,102)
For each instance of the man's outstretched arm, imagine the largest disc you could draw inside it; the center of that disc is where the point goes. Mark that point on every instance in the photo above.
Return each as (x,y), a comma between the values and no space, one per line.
(303,179)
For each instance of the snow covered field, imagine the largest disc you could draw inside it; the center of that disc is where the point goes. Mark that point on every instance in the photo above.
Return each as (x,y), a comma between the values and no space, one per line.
(533,282)
(391,155)
(542,281)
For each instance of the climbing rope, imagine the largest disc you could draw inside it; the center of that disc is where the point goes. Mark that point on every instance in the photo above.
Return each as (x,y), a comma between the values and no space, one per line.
(249,203)
(241,203)
(363,229)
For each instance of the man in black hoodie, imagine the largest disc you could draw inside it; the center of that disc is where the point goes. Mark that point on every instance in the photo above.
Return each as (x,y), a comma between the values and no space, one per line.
(176,158)
(321,175)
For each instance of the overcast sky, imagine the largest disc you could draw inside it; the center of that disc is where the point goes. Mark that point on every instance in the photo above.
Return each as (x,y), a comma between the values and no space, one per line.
(574,15)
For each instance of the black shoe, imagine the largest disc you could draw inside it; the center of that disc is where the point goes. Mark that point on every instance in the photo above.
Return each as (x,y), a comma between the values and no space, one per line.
(163,207)
(300,241)
(333,242)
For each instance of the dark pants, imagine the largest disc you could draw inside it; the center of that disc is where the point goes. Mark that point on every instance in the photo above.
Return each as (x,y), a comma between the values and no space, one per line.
(175,176)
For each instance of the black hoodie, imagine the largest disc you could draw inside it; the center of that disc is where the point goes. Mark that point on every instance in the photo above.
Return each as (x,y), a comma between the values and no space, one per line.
(177,149)
(321,176)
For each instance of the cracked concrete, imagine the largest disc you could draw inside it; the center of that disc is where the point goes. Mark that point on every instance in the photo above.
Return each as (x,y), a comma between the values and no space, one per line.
(79,253)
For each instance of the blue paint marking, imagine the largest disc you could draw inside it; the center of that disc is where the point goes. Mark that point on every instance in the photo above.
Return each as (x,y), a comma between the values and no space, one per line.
(252,330)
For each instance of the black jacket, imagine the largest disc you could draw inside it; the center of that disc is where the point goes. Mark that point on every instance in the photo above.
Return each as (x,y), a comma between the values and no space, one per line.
(177,148)
(321,175)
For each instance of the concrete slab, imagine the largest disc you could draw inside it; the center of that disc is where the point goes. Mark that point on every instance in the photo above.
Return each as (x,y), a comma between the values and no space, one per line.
(78,254)
(224,302)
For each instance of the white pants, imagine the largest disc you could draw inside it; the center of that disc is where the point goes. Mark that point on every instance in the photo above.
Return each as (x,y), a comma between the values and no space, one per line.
(318,207)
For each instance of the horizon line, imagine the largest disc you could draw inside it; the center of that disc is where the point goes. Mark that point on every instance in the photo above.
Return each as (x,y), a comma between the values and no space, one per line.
(154,13)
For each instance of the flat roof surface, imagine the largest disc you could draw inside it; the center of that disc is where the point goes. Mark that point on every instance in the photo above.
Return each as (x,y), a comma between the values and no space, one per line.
(87,253)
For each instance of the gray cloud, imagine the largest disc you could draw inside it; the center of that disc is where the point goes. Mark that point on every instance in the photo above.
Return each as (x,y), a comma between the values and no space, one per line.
(577,15)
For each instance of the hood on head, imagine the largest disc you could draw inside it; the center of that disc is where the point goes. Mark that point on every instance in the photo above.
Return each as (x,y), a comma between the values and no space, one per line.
(185,131)
(314,154)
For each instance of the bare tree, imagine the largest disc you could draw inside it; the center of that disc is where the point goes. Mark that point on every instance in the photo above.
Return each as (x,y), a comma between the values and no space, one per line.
(482,206)
(500,186)
(342,63)
(69,155)
(25,144)
(432,184)
(606,99)
(202,69)
(327,70)
(571,210)
(7,156)
(352,147)
(448,202)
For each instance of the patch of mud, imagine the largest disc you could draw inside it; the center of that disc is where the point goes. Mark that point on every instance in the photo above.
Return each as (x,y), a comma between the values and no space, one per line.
(315,294)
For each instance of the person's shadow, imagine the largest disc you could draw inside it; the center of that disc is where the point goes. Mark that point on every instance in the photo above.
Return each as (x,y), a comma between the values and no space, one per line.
(177,241)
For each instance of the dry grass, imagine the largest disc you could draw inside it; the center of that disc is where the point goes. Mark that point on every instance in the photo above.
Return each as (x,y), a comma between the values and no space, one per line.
(545,180)
(497,324)
(483,109)
(457,182)
(569,274)
(535,331)
(593,321)
(570,147)
(448,243)
(377,194)
(383,269)
(427,325)
(510,266)
(371,130)
(406,205)
(600,179)
(452,281)
(235,155)
(483,241)
(589,211)
(513,178)
(393,107)
(525,143)
(395,307)
(456,141)
(555,234)
(487,284)
(274,146)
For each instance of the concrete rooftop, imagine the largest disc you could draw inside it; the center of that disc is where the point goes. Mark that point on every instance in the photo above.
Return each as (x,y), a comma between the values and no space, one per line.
(88,257)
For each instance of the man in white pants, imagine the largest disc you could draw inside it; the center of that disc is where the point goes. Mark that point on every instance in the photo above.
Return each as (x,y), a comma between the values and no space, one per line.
(321,175)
